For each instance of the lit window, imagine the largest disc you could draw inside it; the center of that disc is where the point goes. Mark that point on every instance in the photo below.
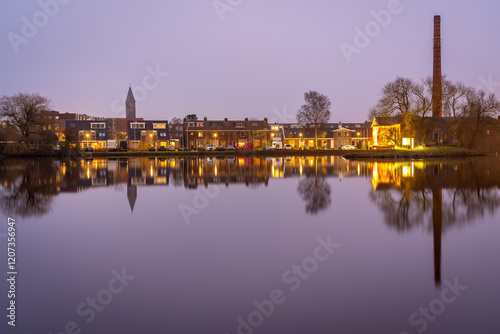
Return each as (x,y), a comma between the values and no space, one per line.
(137,125)
(159,125)
(97,125)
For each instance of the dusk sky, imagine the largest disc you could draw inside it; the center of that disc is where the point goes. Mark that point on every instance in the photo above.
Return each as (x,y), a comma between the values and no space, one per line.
(248,58)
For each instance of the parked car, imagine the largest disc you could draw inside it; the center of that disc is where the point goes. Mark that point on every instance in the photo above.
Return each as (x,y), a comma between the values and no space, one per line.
(201,148)
(348,147)
(288,147)
(247,146)
(221,148)
(267,148)
(210,147)
(162,148)
(57,149)
(171,148)
(89,149)
(230,148)
(151,148)
(258,148)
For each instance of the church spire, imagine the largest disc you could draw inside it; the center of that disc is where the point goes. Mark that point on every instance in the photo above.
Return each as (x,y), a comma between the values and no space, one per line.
(130,95)
(130,111)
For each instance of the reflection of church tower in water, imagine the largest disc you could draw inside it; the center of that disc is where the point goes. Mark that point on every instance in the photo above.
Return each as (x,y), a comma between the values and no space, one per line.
(132,172)
(131,195)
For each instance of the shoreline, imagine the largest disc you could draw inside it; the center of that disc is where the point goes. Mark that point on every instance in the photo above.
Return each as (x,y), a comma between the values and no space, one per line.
(405,154)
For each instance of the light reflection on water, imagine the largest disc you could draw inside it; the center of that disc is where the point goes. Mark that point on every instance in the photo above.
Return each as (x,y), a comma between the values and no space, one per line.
(248,219)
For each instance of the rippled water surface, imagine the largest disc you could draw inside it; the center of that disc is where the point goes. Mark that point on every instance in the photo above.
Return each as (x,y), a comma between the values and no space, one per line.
(253,245)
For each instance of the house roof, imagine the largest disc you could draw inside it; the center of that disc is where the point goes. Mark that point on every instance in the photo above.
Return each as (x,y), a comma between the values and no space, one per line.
(387,121)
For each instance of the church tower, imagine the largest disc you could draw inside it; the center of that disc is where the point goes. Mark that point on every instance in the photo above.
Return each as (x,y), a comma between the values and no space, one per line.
(130,104)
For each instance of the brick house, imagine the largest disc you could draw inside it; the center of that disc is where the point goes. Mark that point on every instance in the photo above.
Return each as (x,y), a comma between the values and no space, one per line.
(330,135)
(226,132)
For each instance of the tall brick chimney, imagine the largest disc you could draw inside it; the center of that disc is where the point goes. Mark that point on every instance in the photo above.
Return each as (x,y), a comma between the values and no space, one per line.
(437,94)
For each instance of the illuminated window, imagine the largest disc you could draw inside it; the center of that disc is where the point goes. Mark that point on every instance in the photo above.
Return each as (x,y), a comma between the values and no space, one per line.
(199,124)
(97,125)
(159,125)
(137,125)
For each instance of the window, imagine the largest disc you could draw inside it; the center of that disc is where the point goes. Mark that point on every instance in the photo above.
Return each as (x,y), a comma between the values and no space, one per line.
(190,124)
(240,125)
(215,123)
(199,124)
(143,133)
(163,134)
(242,133)
(155,133)
(159,125)
(137,125)
(50,128)
(97,125)
(200,134)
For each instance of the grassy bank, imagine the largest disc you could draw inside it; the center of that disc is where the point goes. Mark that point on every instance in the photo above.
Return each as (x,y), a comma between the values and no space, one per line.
(428,152)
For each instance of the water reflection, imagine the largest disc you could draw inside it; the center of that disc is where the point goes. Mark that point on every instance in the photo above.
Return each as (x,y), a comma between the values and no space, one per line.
(315,190)
(410,194)
(435,195)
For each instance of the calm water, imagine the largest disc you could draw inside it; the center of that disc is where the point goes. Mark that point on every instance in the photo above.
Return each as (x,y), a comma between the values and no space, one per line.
(253,245)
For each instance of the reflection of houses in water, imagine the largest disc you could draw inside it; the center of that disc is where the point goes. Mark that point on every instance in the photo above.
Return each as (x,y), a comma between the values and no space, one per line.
(250,171)
(328,166)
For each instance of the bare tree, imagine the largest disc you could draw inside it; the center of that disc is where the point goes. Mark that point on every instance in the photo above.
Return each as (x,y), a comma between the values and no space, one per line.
(315,111)
(470,110)
(25,112)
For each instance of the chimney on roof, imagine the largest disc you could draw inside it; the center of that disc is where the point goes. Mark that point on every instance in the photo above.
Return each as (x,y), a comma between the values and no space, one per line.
(246,119)
(205,118)
(265,119)
(225,119)
(340,124)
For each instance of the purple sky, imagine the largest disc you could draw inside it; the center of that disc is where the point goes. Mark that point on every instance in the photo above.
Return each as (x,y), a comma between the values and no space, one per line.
(256,62)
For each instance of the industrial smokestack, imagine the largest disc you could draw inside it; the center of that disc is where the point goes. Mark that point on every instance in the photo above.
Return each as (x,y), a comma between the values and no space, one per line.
(437,94)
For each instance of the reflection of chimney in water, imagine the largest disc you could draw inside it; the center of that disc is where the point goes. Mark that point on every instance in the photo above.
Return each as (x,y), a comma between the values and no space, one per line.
(437,222)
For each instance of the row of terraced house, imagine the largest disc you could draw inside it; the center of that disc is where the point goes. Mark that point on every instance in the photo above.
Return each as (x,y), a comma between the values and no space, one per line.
(192,133)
